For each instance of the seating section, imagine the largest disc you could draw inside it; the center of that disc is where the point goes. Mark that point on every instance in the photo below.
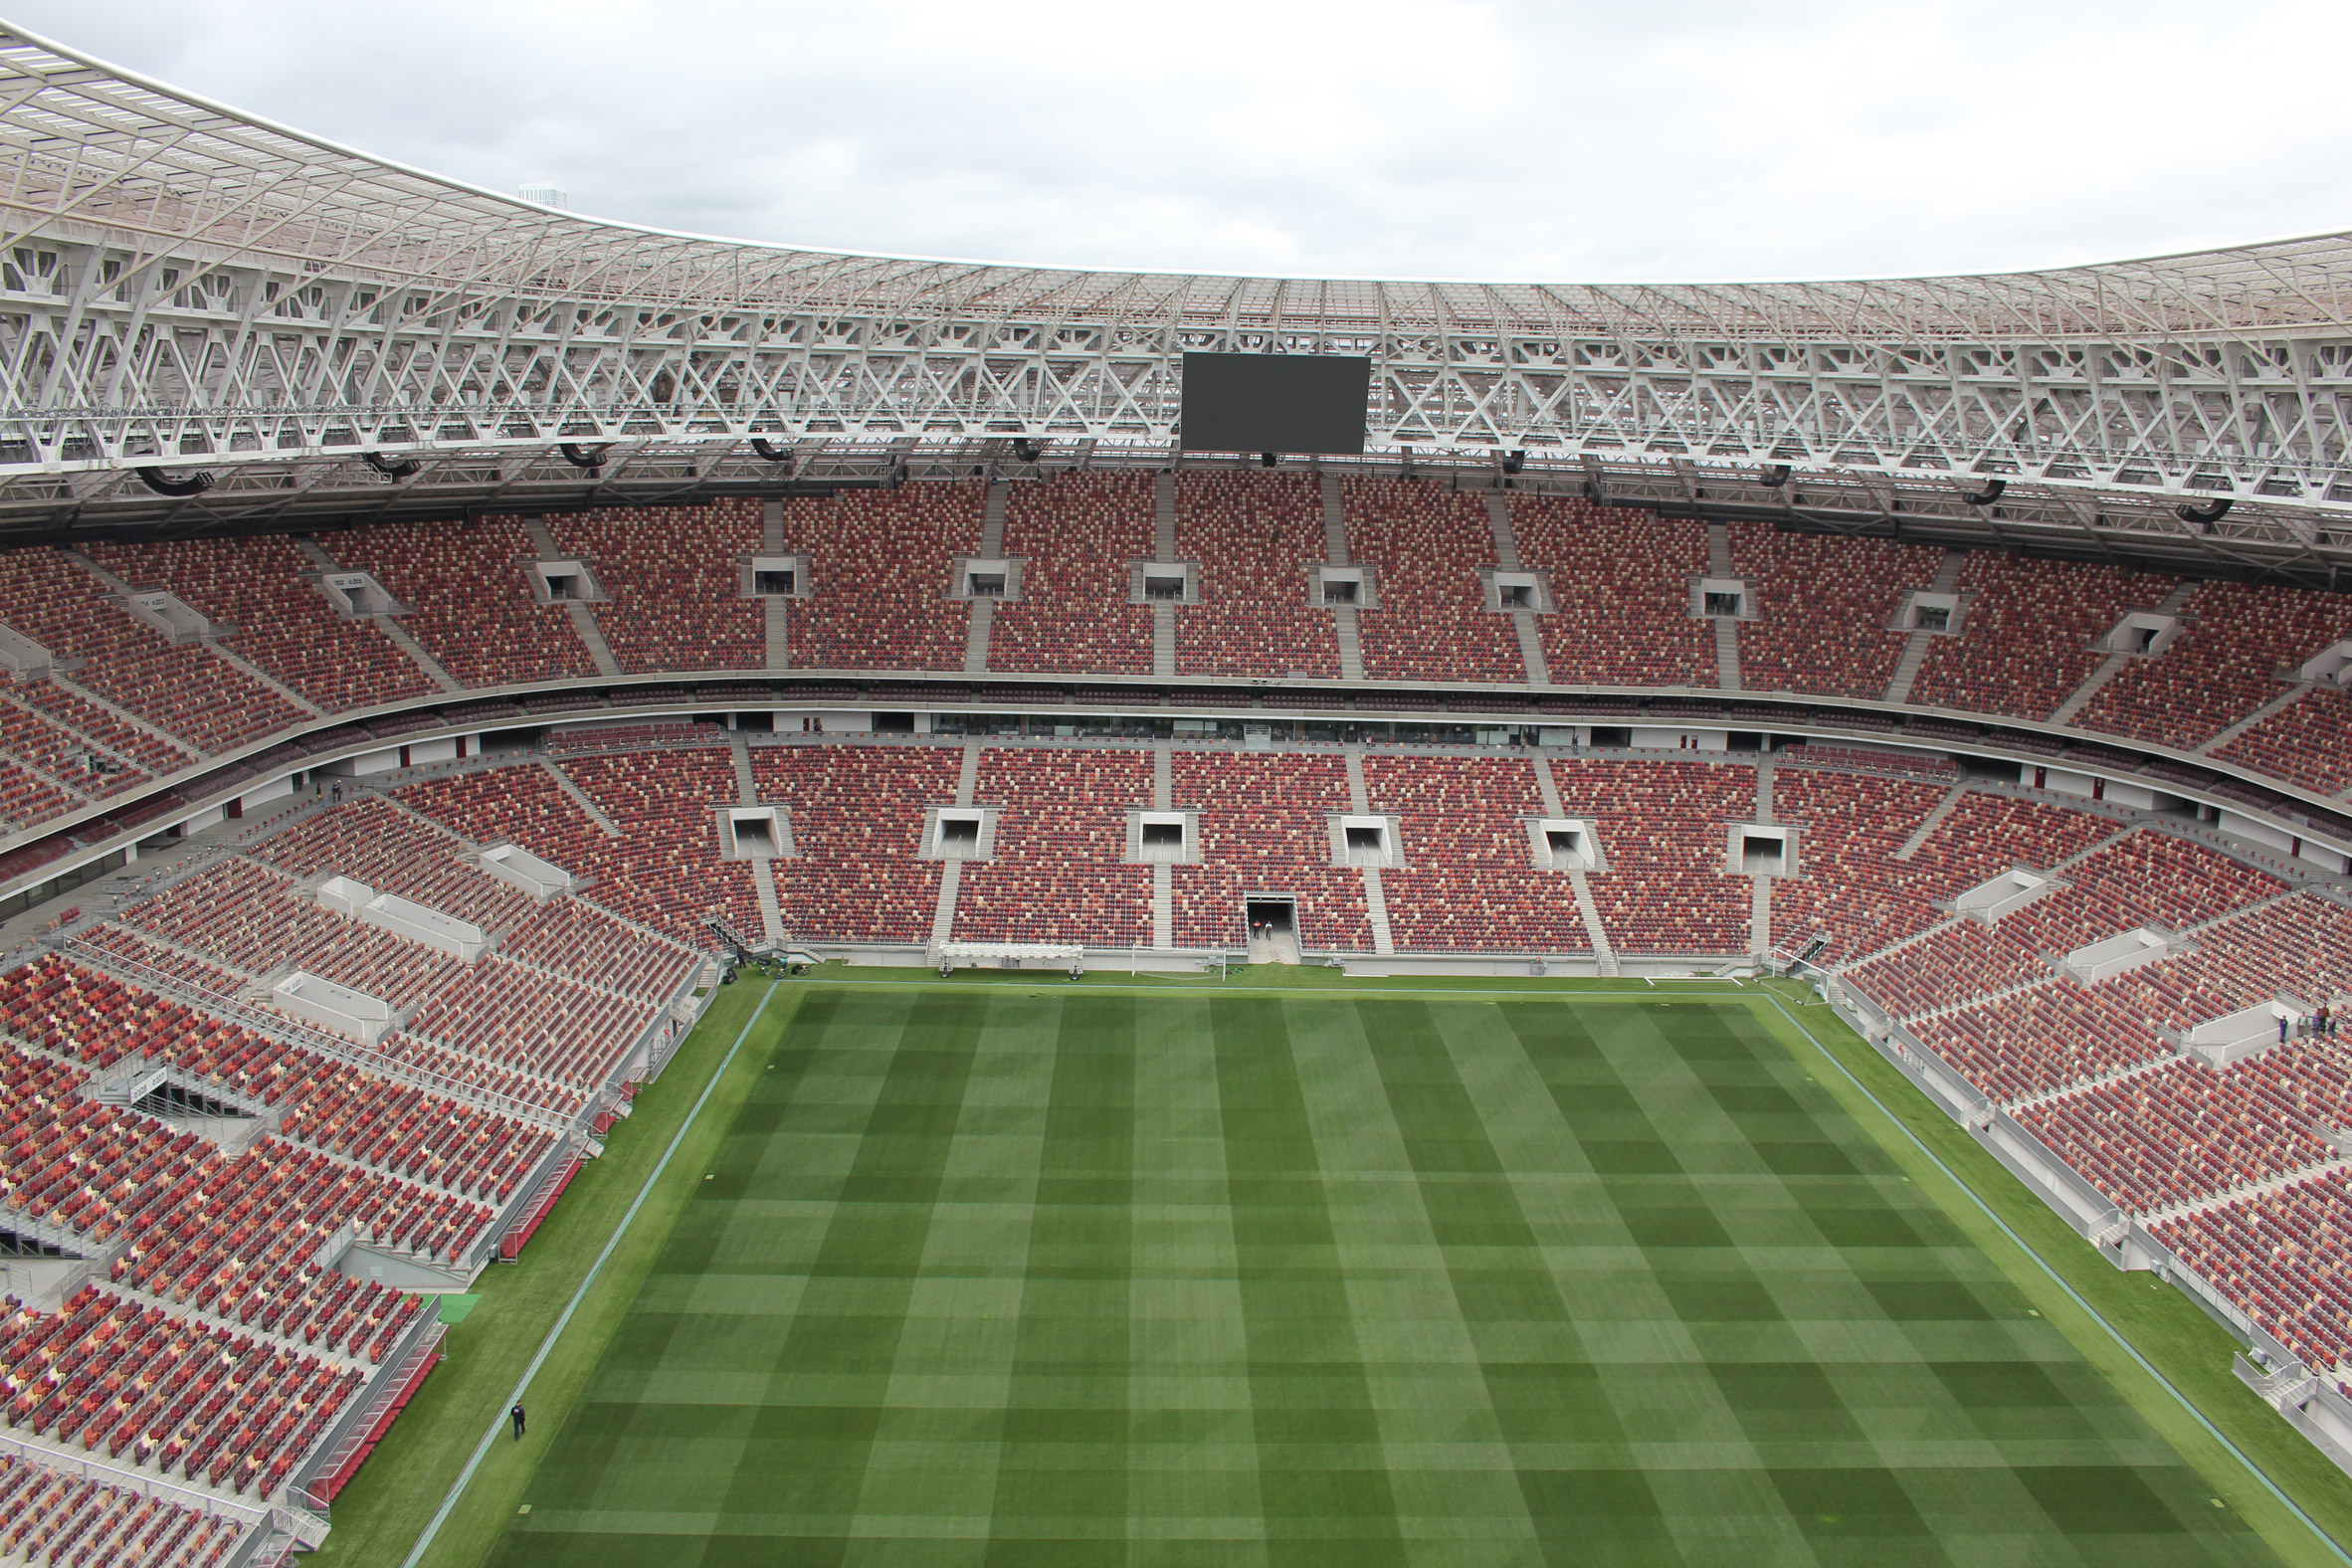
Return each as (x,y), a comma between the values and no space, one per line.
(26,798)
(372,1117)
(2283,1257)
(2222,667)
(2026,638)
(1076,535)
(1468,882)
(81,764)
(50,1517)
(1622,582)
(880,563)
(1057,874)
(2173,1135)
(188,1400)
(2304,744)
(534,1022)
(1428,545)
(1254,535)
(1264,829)
(2041,1041)
(2145,879)
(472,606)
(49,711)
(1853,890)
(1663,829)
(673,579)
(663,868)
(1826,604)
(182,689)
(232,1237)
(856,816)
(282,624)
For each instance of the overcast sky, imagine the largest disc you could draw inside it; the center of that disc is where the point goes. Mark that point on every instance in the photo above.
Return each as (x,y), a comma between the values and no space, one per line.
(1627,140)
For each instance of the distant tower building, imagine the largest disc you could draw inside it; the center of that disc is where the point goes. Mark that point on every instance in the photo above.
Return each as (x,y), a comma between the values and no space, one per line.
(545,194)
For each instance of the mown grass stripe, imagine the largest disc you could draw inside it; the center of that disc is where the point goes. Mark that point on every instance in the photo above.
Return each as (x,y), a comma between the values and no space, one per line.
(523,1385)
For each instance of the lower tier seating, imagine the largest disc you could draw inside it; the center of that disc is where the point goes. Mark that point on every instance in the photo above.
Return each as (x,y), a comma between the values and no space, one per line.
(50,1517)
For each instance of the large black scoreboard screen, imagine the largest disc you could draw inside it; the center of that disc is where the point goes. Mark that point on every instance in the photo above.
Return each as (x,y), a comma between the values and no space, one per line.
(1301,403)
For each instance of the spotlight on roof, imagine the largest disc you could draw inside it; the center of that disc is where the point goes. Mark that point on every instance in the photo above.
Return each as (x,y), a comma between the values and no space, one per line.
(1775,475)
(2207,516)
(1026,450)
(771,453)
(580,457)
(1513,461)
(395,470)
(163,483)
(1989,495)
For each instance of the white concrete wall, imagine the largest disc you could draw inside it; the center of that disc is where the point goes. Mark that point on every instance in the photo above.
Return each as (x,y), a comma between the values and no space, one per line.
(1672,739)
(275,789)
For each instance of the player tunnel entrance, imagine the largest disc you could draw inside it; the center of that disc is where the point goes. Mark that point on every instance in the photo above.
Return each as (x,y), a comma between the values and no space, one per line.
(1270,915)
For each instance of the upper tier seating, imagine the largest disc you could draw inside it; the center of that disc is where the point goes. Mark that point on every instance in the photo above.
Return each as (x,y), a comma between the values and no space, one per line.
(1255,534)
(2026,638)
(282,624)
(2304,744)
(85,724)
(2222,667)
(880,562)
(470,601)
(1076,535)
(1826,605)
(1468,881)
(1621,583)
(1428,545)
(26,798)
(1264,829)
(81,762)
(182,689)
(1061,837)
(1662,829)
(674,582)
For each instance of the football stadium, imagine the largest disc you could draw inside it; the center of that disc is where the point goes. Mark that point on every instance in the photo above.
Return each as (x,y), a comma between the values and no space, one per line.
(667,902)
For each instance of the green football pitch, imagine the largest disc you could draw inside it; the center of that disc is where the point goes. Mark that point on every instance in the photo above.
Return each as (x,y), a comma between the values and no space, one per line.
(992,1277)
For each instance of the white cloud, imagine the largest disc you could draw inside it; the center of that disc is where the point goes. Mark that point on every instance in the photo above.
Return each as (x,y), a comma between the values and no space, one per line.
(1478,140)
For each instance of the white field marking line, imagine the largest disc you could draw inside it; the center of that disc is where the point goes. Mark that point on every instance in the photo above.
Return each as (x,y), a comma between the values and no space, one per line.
(2059,1280)
(499,1422)
(1302,992)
